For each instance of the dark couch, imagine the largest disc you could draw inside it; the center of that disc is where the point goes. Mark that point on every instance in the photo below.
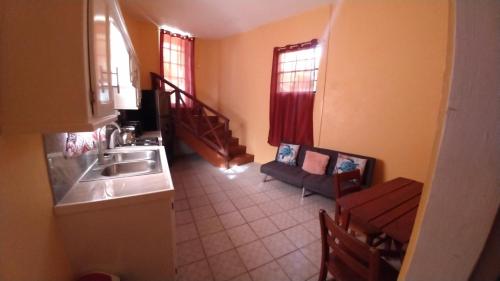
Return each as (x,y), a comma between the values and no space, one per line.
(322,184)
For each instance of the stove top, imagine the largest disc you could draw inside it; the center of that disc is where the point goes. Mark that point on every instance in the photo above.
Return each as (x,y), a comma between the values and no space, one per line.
(145,141)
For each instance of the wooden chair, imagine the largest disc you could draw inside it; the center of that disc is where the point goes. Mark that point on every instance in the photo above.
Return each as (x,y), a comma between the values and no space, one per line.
(346,183)
(349,259)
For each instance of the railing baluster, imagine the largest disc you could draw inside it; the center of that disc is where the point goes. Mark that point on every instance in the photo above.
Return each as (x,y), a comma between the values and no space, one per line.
(193,117)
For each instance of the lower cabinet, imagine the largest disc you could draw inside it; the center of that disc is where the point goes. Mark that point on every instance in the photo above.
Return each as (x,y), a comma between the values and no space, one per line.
(134,241)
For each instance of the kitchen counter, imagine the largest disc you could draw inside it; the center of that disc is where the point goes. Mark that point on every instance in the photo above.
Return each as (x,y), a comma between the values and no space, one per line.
(124,226)
(87,195)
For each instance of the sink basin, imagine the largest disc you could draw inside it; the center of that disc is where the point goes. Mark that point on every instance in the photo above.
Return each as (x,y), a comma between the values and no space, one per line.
(136,155)
(126,164)
(142,166)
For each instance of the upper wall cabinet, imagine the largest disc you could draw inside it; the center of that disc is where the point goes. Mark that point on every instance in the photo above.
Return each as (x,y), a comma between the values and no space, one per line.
(61,68)
(124,64)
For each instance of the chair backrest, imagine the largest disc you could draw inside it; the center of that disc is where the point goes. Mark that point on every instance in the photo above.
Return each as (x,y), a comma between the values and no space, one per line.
(345,183)
(357,256)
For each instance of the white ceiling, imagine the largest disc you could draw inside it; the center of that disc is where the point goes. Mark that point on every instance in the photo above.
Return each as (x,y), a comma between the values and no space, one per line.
(217,18)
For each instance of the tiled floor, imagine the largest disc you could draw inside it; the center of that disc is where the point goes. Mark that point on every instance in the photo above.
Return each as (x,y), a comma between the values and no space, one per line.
(233,226)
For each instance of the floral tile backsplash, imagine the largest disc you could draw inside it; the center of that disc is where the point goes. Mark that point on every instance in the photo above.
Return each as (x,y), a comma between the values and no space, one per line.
(79,143)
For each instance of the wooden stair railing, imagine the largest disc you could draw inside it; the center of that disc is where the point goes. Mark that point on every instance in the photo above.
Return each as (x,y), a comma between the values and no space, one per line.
(204,122)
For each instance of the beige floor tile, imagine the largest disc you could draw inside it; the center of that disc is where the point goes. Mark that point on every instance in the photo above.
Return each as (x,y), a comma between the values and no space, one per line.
(228,185)
(299,236)
(313,252)
(275,194)
(206,180)
(209,189)
(179,195)
(194,192)
(216,243)
(209,201)
(270,208)
(288,203)
(209,226)
(181,205)
(313,227)
(249,190)
(254,254)
(263,227)
(224,207)
(232,219)
(203,212)
(185,232)
(197,271)
(269,272)
(283,221)
(297,266)
(278,245)
(183,217)
(236,193)
(244,277)
(191,183)
(217,197)
(301,214)
(259,198)
(198,201)
(226,265)
(243,203)
(241,235)
(190,251)
(252,213)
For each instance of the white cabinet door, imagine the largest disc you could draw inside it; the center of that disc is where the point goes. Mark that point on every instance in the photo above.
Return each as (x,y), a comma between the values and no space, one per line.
(125,82)
(99,51)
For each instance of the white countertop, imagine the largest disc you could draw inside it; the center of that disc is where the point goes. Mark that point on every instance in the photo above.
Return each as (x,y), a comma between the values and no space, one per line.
(91,195)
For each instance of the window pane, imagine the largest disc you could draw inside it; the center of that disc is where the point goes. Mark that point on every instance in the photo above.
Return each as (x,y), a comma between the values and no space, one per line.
(298,71)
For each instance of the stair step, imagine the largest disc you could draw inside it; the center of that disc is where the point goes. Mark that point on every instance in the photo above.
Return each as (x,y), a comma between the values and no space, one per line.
(212,119)
(237,150)
(241,159)
(233,141)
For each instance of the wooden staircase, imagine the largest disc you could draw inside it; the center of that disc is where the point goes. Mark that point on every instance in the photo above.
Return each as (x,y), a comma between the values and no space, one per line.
(198,125)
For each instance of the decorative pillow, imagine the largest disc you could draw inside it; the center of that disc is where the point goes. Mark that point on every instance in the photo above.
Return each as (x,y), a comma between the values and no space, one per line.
(315,163)
(346,163)
(287,153)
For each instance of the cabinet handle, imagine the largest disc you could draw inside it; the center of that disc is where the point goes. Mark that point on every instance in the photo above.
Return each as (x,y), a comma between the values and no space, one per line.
(117,81)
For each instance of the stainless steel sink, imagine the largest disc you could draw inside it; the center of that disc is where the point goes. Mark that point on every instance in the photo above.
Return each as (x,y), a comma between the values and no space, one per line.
(141,166)
(126,164)
(136,155)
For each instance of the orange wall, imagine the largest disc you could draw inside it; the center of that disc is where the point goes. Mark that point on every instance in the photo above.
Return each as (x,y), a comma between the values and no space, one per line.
(381,84)
(31,247)
(207,74)
(145,38)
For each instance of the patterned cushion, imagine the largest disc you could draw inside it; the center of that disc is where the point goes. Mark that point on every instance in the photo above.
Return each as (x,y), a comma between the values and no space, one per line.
(346,163)
(287,153)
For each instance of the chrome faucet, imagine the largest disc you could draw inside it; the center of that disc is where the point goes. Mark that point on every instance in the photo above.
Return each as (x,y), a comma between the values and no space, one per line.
(109,144)
(112,137)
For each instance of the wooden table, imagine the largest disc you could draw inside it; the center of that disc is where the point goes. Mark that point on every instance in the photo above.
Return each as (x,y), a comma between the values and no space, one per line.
(389,207)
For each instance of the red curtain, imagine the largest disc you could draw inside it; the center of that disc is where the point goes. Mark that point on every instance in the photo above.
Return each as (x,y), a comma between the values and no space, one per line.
(177,62)
(292,94)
